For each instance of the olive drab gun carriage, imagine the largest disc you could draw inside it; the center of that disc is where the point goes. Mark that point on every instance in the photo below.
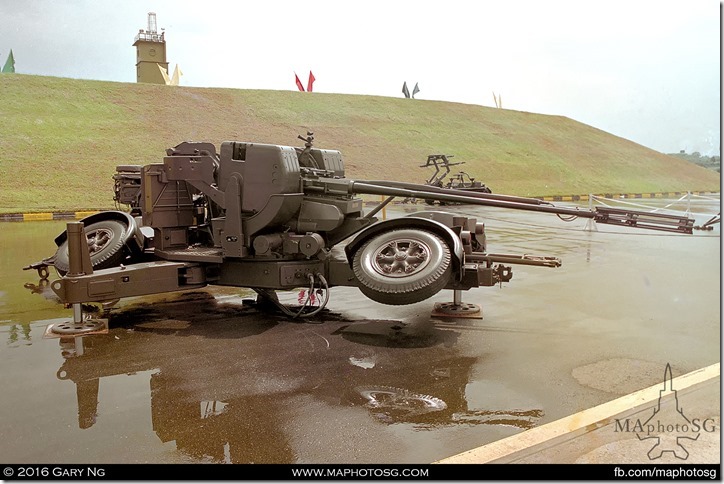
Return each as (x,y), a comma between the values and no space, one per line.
(272,217)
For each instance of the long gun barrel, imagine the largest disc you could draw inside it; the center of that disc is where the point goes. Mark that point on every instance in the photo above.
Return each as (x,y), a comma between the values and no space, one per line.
(604,215)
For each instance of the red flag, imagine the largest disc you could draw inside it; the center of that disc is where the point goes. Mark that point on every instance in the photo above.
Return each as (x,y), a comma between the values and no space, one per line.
(311,81)
(299,83)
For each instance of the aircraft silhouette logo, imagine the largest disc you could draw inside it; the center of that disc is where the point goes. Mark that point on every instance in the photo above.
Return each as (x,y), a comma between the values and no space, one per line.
(667,427)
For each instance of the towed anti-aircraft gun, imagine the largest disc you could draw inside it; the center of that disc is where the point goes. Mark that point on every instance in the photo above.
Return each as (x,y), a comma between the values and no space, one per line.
(272,217)
(459,181)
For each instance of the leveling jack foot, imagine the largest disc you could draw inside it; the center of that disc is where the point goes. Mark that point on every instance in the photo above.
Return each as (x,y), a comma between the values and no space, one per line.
(462,310)
(71,328)
(457,309)
(78,326)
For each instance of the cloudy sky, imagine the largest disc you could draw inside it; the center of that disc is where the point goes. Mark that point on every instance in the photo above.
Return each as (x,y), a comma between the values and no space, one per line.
(646,70)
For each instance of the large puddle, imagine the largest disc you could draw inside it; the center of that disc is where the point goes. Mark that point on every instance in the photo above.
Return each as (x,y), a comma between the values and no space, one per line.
(203,376)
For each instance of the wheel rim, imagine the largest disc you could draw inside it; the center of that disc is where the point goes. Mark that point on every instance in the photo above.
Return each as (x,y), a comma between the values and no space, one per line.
(98,240)
(401,258)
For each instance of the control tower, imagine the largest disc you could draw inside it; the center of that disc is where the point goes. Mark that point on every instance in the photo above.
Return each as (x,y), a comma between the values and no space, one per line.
(150,53)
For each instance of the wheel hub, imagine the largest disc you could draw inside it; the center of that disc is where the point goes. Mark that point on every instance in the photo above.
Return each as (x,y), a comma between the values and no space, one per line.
(401,258)
(98,239)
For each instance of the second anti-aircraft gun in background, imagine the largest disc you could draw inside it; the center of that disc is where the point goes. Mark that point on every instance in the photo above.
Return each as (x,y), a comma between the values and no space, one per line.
(458,181)
(274,217)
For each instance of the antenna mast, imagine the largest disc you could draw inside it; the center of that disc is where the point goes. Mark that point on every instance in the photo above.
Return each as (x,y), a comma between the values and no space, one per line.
(152,23)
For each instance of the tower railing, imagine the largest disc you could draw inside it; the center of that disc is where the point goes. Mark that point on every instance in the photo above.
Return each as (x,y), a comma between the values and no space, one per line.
(149,36)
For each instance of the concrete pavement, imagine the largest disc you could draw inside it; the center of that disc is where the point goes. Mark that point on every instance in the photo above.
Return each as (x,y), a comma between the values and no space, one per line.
(675,422)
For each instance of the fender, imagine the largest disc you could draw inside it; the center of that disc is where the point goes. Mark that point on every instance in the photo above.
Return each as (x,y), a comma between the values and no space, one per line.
(452,240)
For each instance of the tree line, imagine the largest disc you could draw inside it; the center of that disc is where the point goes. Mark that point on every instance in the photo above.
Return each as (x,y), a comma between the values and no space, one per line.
(710,162)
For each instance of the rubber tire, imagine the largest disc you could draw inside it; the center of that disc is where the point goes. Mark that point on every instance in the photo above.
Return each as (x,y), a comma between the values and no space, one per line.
(419,285)
(110,255)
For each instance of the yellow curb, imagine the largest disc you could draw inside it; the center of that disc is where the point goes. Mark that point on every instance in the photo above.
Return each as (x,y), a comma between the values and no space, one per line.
(46,216)
(32,217)
(567,428)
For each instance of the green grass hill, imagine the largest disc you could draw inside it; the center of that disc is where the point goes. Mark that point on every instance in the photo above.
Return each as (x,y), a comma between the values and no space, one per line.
(62,138)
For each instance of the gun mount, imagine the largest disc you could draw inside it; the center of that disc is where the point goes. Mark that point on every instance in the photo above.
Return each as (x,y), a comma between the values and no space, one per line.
(273,217)
(438,161)
(458,181)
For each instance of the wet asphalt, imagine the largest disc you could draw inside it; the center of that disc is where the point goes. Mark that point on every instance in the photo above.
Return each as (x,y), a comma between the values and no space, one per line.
(206,376)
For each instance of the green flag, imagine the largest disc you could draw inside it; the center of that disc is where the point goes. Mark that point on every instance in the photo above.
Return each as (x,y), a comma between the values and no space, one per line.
(10,63)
